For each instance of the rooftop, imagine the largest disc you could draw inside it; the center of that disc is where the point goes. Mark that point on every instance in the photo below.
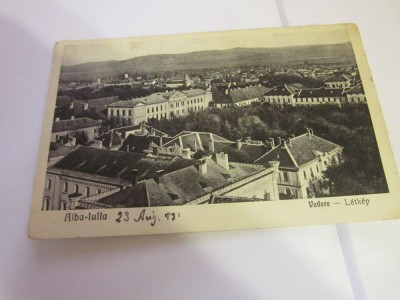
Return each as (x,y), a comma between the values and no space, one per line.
(75,124)
(301,150)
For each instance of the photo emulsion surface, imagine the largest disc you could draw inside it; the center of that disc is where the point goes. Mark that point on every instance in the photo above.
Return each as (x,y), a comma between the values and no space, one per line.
(210,121)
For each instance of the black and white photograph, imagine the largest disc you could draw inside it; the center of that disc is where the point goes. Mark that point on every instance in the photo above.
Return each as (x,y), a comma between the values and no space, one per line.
(252,116)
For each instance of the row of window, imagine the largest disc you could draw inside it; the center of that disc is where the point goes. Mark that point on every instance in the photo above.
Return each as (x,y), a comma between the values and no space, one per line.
(76,188)
(121,112)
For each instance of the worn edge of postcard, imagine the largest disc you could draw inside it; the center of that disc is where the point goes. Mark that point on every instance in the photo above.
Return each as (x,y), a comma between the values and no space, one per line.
(194,218)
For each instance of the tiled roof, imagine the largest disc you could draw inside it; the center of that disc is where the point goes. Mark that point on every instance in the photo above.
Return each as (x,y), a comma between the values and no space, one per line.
(321,92)
(117,164)
(180,186)
(302,150)
(280,90)
(81,123)
(337,78)
(248,93)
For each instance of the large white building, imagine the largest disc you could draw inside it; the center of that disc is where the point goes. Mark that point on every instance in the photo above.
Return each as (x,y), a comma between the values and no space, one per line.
(303,159)
(160,105)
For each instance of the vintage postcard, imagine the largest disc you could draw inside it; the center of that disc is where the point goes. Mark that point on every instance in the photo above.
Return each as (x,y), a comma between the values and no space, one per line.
(212,131)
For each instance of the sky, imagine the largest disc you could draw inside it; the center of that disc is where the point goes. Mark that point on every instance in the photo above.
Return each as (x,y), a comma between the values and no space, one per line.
(121,49)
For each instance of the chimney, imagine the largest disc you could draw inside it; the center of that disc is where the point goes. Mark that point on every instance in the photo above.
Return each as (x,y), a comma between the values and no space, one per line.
(57,119)
(71,106)
(85,106)
(135,176)
(279,140)
(289,141)
(186,153)
(310,132)
(127,148)
(202,166)
(226,92)
(247,139)
(195,146)
(272,142)
(161,140)
(159,176)
(222,160)
(211,147)
(239,144)
(72,117)
(291,136)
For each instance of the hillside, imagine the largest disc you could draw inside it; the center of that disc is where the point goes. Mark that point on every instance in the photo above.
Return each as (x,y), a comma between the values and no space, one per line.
(212,59)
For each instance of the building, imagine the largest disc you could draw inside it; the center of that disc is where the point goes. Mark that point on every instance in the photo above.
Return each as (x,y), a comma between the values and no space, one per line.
(319,96)
(337,81)
(241,96)
(197,184)
(64,129)
(96,178)
(355,94)
(303,159)
(93,173)
(281,95)
(160,105)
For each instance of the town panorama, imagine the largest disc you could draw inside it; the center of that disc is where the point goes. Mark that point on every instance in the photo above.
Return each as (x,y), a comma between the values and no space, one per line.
(212,127)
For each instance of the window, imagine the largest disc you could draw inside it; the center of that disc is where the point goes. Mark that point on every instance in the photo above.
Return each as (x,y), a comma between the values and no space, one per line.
(98,191)
(285,176)
(48,184)
(87,191)
(317,169)
(305,175)
(117,112)
(65,188)
(76,188)
(111,112)
(123,112)
(130,113)
(63,205)
(46,203)
(312,173)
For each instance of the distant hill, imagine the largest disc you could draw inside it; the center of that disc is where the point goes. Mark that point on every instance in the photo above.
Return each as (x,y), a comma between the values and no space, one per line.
(212,59)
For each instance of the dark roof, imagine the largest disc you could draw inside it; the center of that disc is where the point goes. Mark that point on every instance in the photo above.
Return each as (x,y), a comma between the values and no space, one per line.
(280,90)
(139,143)
(278,154)
(180,186)
(301,150)
(110,139)
(117,164)
(337,78)
(320,92)
(81,123)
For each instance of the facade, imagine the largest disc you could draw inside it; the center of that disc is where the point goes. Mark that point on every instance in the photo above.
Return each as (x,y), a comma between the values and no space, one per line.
(91,174)
(160,105)
(303,159)
(319,96)
(337,81)
(355,94)
(281,95)
(65,129)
